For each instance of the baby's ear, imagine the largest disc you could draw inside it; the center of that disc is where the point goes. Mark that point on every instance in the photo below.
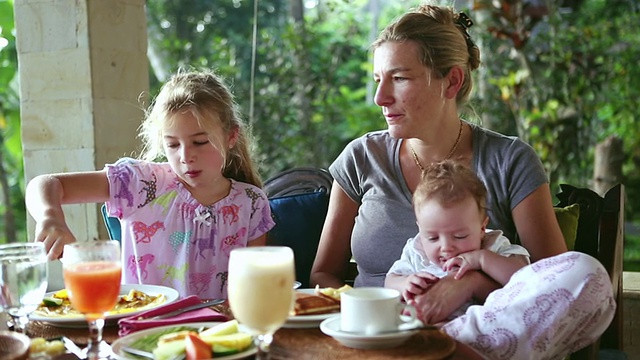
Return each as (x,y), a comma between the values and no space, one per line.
(485,223)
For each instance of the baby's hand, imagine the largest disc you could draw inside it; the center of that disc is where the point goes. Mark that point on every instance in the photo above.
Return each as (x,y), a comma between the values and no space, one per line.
(417,283)
(462,263)
(55,234)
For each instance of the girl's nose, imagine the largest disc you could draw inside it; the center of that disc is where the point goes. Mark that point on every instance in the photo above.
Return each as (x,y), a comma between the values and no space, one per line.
(187,156)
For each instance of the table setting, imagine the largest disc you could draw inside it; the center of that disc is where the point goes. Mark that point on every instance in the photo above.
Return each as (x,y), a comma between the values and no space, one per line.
(369,323)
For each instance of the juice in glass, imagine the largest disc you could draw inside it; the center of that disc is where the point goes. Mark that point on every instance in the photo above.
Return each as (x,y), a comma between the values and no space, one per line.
(93,286)
(260,291)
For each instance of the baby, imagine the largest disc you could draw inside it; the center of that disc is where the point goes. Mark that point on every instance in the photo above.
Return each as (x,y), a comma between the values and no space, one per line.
(449,203)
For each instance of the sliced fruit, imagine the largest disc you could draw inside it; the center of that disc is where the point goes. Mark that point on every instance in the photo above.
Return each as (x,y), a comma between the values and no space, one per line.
(169,350)
(238,341)
(52,301)
(175,336)
(226,328)
(196,349)
(61,294)
(219,350)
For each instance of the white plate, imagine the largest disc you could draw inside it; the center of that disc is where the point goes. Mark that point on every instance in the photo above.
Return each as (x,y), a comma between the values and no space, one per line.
(125,341)
(79,321)
(307,321)
(331,327)
(296,284)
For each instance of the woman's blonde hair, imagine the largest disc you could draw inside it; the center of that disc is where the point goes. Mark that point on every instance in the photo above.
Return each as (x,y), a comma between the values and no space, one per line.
(449,182)
(211,102)
(443,39)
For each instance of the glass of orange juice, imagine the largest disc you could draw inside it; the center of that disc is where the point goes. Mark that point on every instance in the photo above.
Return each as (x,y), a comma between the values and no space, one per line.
(92,272)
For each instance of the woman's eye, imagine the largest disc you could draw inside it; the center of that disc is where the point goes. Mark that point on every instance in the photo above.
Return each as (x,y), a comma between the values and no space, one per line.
(172,146)
(461,236)
(200,143)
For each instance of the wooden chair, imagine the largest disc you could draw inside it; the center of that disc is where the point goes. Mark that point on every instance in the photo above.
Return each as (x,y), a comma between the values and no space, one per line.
(601,234)
(299,199)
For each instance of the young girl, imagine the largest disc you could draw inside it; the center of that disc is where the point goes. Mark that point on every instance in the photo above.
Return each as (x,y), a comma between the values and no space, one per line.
(450,206)
(182,217)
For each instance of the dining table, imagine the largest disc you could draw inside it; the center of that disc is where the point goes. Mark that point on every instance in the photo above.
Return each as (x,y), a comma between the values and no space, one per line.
(294,343)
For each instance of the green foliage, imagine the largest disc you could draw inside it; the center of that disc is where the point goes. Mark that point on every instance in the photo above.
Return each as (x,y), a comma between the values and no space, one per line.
(631,252)
(12,208)
(567,76)
(546,78)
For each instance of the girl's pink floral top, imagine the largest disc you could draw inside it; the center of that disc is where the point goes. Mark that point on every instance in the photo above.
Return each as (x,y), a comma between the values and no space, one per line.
(170,239)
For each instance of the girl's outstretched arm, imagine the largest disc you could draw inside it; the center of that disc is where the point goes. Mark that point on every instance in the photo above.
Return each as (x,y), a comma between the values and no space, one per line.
(45,195)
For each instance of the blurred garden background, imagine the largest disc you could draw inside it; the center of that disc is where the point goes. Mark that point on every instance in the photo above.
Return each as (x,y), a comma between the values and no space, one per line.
(561,74)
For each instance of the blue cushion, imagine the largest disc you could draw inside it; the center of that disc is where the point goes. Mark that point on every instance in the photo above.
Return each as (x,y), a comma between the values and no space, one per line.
(112,224)
(299,219)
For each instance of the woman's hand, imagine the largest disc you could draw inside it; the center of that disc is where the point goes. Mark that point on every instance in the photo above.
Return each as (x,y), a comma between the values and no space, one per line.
(445,296)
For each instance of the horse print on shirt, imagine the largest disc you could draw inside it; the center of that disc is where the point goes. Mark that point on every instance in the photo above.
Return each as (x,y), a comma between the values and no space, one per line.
(231,242)
(254,196)
(122,176)
(200,280)
(178,238)
(139,265)
(151,188)
(205,243)
(173,273)
(230,213)
(144,232)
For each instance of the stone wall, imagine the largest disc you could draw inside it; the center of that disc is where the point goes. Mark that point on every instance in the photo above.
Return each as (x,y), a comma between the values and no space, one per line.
(82,67)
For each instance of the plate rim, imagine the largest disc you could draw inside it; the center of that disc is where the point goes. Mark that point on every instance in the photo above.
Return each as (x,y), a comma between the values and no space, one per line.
(170,293)
(122,341)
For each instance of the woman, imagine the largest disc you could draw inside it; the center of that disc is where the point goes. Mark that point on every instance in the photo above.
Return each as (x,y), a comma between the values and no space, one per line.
(422,64)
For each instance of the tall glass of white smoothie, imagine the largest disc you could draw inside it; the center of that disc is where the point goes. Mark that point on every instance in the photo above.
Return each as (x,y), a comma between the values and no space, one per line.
(260,290)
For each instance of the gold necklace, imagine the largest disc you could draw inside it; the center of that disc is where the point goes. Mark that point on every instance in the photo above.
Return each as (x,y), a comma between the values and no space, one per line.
(453,149)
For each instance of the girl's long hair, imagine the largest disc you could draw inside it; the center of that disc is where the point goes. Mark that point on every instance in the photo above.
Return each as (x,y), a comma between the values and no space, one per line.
(211,102)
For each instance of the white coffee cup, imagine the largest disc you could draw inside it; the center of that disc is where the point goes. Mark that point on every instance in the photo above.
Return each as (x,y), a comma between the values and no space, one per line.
(373,310)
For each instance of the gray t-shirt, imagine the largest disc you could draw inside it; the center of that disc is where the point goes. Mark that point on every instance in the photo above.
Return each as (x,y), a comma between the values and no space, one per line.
(368,170)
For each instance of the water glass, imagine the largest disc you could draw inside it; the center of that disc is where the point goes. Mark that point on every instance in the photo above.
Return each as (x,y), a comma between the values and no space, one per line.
(23,280)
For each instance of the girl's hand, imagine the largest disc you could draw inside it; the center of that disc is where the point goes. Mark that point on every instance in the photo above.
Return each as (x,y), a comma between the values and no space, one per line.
(417,284)
(55,234)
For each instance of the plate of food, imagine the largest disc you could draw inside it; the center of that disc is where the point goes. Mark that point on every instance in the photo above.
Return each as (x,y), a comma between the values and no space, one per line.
(57,310)
(312,306)
(207,340)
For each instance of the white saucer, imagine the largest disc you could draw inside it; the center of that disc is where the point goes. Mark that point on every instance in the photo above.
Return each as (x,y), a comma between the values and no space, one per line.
(331,327)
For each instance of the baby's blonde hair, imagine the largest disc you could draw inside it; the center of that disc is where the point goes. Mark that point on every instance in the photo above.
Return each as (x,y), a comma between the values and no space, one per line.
(207,97)
(449,182)
(443,42)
